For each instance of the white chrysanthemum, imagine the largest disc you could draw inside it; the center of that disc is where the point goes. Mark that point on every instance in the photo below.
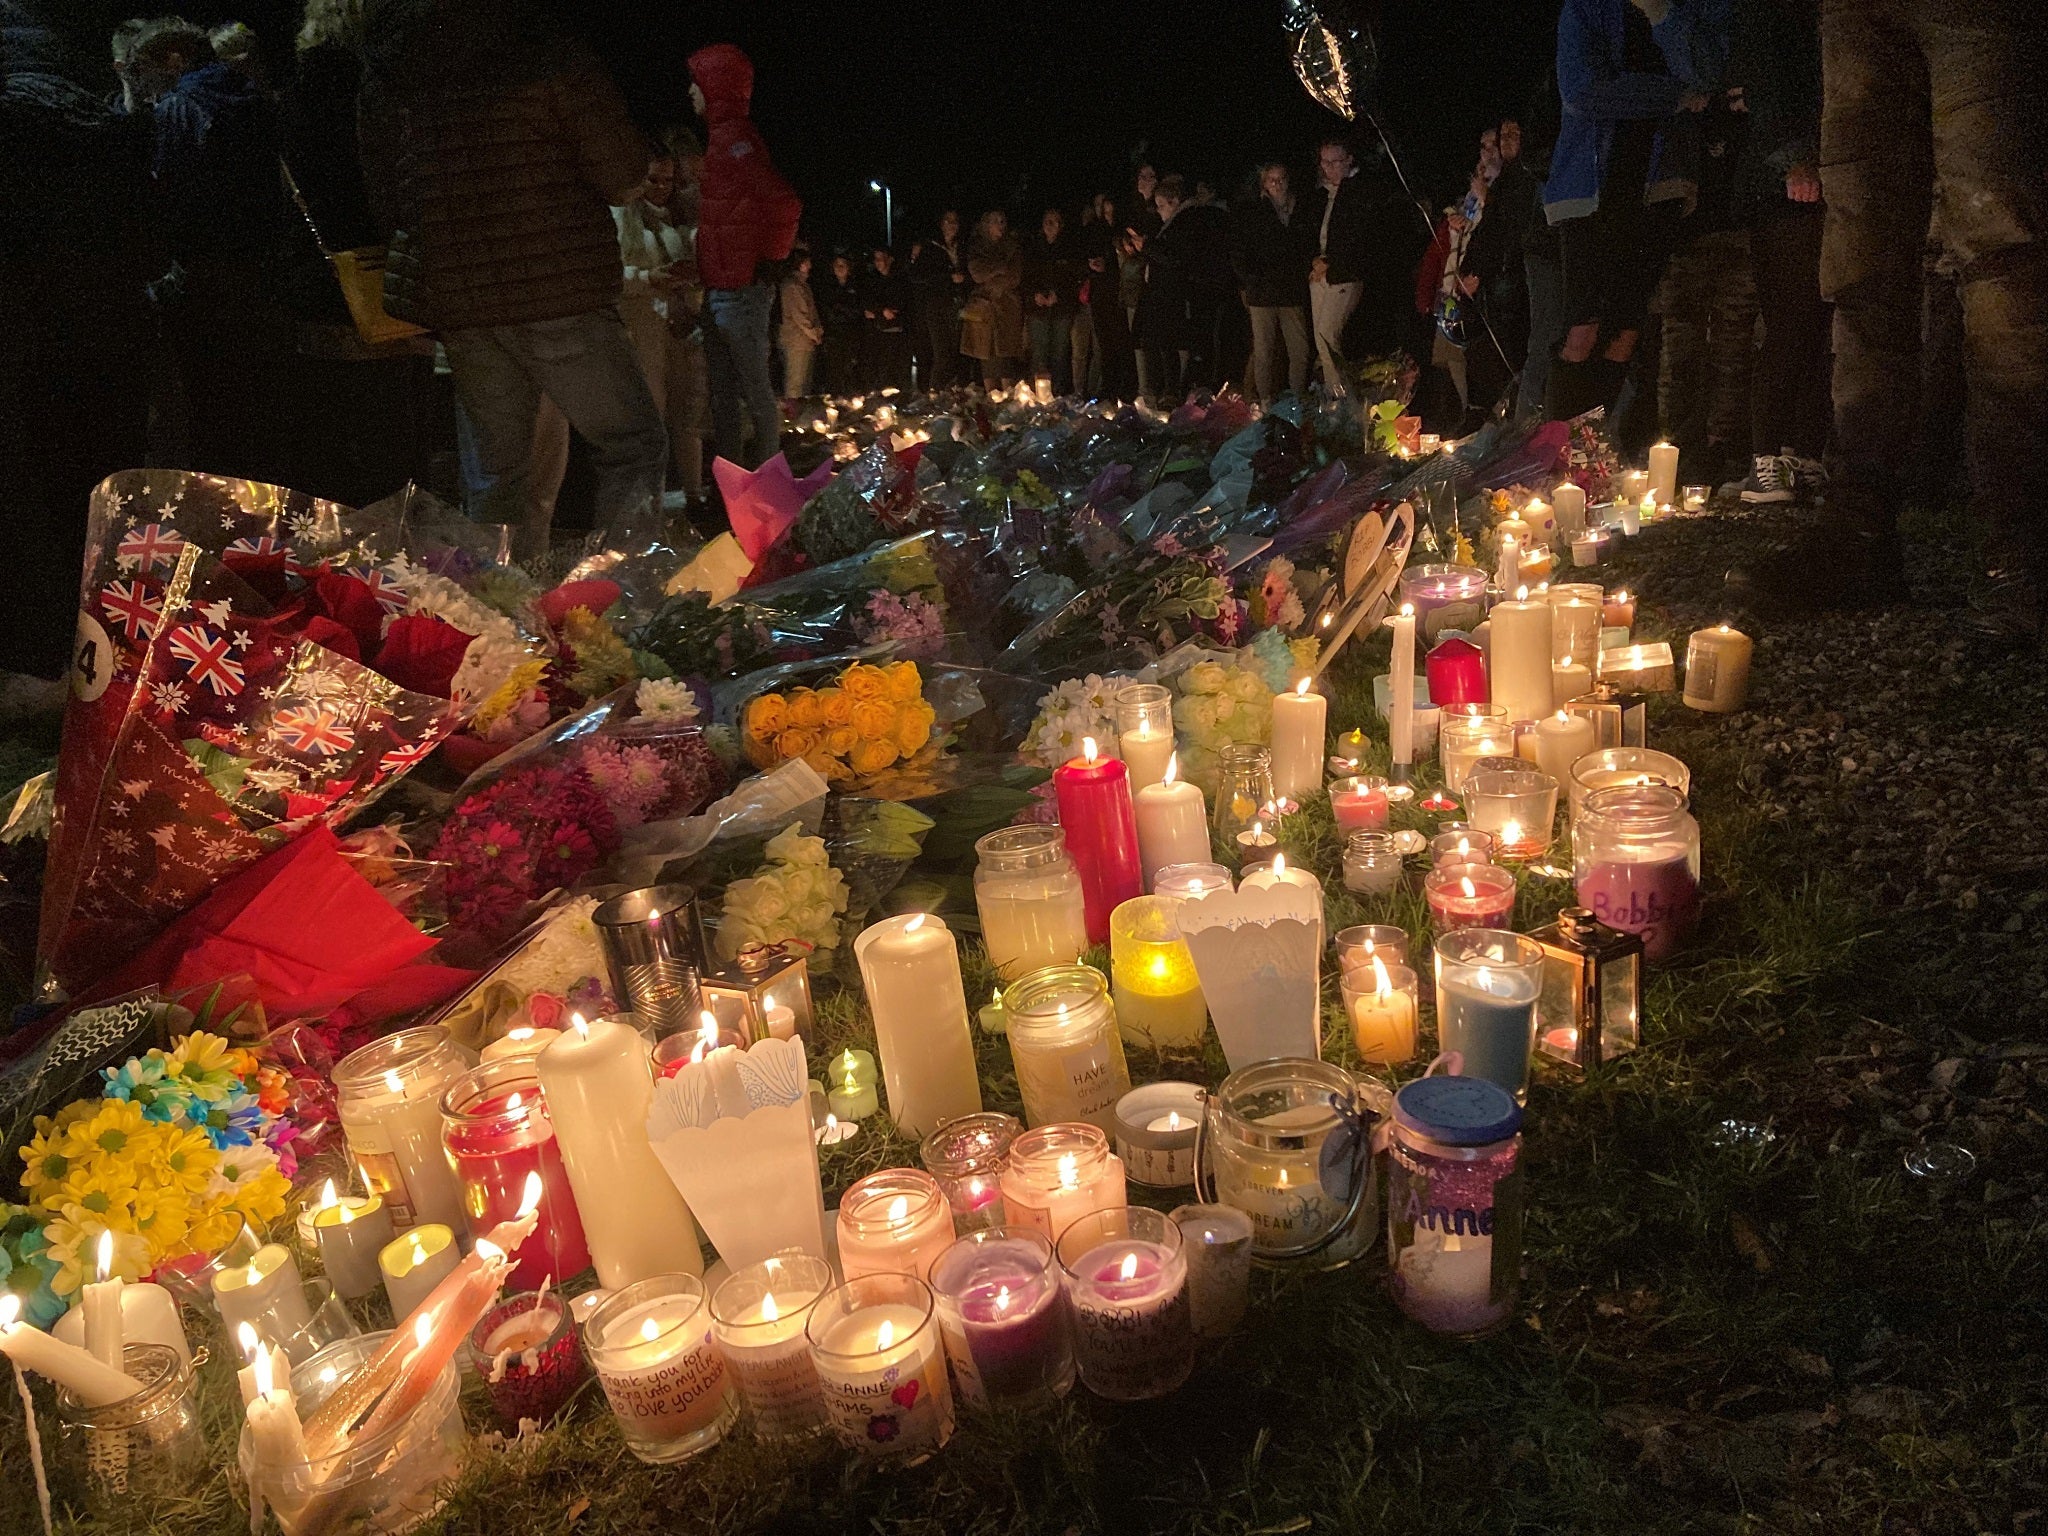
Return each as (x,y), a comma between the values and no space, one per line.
(666,701)
(497,647)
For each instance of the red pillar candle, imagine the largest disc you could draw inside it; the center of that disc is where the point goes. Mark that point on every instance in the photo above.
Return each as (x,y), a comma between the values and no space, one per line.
(1457,674)
(496,1130)
(1094,796)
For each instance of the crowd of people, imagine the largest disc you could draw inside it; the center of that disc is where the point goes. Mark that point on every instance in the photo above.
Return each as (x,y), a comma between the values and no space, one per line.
(1649,235)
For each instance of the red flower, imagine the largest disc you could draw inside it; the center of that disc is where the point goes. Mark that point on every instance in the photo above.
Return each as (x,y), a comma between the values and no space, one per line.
(349,600)
(422,652)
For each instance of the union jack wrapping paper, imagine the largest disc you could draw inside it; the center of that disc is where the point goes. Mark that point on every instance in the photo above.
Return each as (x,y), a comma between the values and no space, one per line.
(241,672)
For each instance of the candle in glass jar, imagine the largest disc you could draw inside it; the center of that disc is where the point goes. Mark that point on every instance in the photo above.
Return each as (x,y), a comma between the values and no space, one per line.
(882,1367)
(1158,997)
(497,1130)
(1589,548)
(1717,669)
(910,967)
(1173,825)
(966,1157)
(1058,1173)
(1469,733)
(1619,609)
(1029,897)
(1003,1316)
(1488,984)
(1300,725)
(893,1222)
(1359,804)
(1381,1000)
(1155,1134)
(1127,1280)
(1101,823)
(388,1096)
(660,1368)
(1444,597)
(1144,732)
(758,1317)
(1064,1044)
(1470,896)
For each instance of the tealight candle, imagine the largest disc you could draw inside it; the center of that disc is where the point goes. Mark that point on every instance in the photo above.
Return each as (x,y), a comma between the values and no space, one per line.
(1469,896)
(351,1233)
(1471,732)
(859,1066)
(1618,610)
(651,1345)
(1694,498)
(1461,844)
(1004,1319)
(1589,548)
(895,1221)
(527,1350)
(1155,1133)
(1384,1003)
(1256,848)
(852,1101)
(881,1366)
(1717,669)
(1057,1173)
(758,1317)
(413,1263)
(1359,804)
(1128,1281)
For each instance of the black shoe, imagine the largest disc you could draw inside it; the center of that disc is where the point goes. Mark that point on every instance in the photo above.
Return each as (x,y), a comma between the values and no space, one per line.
(1827,568)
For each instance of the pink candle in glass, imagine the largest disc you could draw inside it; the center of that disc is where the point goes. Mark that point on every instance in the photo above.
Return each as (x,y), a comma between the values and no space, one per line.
(1094,795)
(1359,804)
(1470,896)
(1457,674)
(1656,899)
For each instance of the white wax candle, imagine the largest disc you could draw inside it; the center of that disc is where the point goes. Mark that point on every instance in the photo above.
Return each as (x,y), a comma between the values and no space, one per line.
(414,1263)
(1557,742)
(1569,680)
(1717,669)
(1574,630)
(1518,657)
(149,1315)
(399,1132)
(1664,472)
(1281,872)
(276,1438)
(1446,1281)
(268,1293)
(1569,501)
(1300,721)
(1145,751)
(65,1364)
(1507,574)
(350,1234)
(1401,688)
(251,1347)
(599,1081)
(526,1040)
(661,1370)
(1173,824)
(910,967)
(101,1307)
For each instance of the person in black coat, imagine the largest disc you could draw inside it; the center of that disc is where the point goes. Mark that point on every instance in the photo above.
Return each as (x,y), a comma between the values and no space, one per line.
(839,310)
(1341,218)
(1097,250)
(938,284)
(1271,253)
(885,322)
(1050,288)
(1188,280)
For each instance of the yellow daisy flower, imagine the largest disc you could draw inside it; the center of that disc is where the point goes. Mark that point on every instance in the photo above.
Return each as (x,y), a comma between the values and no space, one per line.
(184,1162)
(113,1131)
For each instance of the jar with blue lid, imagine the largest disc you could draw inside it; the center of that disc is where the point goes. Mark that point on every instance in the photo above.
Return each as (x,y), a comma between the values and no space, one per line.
(1454,1204)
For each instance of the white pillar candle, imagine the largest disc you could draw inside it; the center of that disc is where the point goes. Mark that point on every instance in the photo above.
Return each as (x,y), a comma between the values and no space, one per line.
(100,1306)
(1569,680)
(526,1040)
(1146,749)
(1507,572)
(149,1315)
(1717,669)
(1280,872)
(1557,742)
(1173,823)
(1401,688)
(350,1234)
(1631,514)
(1515,527)
(1541,518)
(910,968)
(413,1263)
(1664,472)
(396,1130)
(1569,502)
(1574,629)
(599,1081)
(1518,657)
(268,1293)
(66,1365)
(1299,727)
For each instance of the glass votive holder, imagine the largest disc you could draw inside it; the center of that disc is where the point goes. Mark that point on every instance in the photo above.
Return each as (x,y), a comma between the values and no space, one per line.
(1158,997)
(1468,733)
(531,1360)
(1127,1278)
(1517,805)
(1155,1134)
(1359,803)
(651,1345)
(1217,1240)
(1144,731)
(1488,985)
(1384,1004)
(1284,1141)
(1244,789)
(1462,844)
(1177,882)
(882,1368)
(1058,1173)
(897,1221)
(1627,767)
(1694,498)
(1004,1319)
(1469,896)
(758,1315)
(966,1157)
(1257,847)
(1372,864)
(148,1448)
(191,1279)
(1357,945)
(327,1322)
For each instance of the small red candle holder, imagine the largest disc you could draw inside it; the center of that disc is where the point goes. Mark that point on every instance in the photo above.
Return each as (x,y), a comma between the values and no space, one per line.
(543,1362)
(1470,896)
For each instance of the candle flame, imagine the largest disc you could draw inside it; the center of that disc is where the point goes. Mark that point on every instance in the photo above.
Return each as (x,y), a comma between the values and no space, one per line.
(10,1308)
(246,1337)
(1279,864)
(327,1196)
(1511,832)
(529,1201)
(769,1311)
(899,1209)
(648,1331)
(707,1029)
(1521,594)
(419,1251)
(1173,761)
(886,1334)
(582,1029)
(1173,1120)
(1465,884)
(1003,1299)
(1070,1174)
(345,1214)
(1484,979)
(1088,748)
(915,923)
(393,1082)
(1301,689)
(488,1251)
(266,1375)
(1621,596)
(1129,1268)
(105,1253)
(832,1120)
(515,1100)
(1195,887)
(523,1032)
(1382,983)
(1407,610)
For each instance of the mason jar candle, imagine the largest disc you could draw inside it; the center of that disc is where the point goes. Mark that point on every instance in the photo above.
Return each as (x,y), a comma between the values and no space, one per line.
(1029,897)
(388,1097)
(881,1367)
(895,1221)
(1159,1002)
(1127,1279)
(1065,1046)
(1057,1173)
(1636,864)
(1469,896)
(1244,789)
(1619,767)
(966,1157)
(1488,986)
(496,1130)
(758,1316)
(1518,806)
(1470,732)
(1372,864)
(1269,1128)
(1454,1206)
(1004,1319)
(650,1343)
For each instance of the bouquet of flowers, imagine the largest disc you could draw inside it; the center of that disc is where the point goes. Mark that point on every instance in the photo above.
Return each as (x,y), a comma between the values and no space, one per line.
(868,719)
(240,675)
(1079,708)
(178,1143)
(795,894)
(1221,701)
(555,968)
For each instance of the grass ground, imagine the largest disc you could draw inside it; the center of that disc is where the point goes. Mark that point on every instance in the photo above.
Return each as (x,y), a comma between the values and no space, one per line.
(1741,1312)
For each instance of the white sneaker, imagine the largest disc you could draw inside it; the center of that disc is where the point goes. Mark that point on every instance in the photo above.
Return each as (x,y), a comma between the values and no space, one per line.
(1806,474)
(1768,484)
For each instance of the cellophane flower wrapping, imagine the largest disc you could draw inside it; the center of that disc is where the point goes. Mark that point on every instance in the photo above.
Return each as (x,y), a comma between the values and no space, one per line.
(247,666)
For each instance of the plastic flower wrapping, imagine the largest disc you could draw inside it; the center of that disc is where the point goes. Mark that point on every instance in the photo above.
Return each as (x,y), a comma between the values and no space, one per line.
(178,1144)
(795,894)
(863,721)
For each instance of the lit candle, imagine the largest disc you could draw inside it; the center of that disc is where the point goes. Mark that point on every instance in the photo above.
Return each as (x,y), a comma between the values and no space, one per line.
(1641,668)
(1094,795)
(1028,895)
(1059,1173)
(1619,609)
(1281,873)
(67,1365)
(1569,500)
(1717,669)
(852,1100)
(599,1081)
(277,1442)
(1127,1279)
(1664,472)
(1217,1243)
(101,1306)
(855,1066)
(1518,660)
(1487,988)
(759,1315)
(1064,1046)
(1569,680)
(1159,1002)
(1173,823)
(1469,896)
(413,1263)
(1299,729)
(1401,687)
(834,1131)
(882,1367)
(1588,548)
(149,1315)
(497,1130)
(1457,673)
(351,1232)
(1155,1134)
(1478,731)
(910,967)
(526,1040)
(1144,738)
(893,1222)
(252,1348)
(1383,1013)
(392,1122)
(1508,571)
(660,1368)
(1541,519)
(1574,629)
(267,1293)
(1557,742)
(1359,804)
(312,1208)
(1003,1317)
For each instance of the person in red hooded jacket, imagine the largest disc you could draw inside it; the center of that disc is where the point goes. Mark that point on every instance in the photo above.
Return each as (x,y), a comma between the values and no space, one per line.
(746,225)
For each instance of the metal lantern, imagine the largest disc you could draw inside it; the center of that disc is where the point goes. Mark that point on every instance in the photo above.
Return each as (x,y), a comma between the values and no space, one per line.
(765,993)
(1592,1005)
(1619,719)
(653,947)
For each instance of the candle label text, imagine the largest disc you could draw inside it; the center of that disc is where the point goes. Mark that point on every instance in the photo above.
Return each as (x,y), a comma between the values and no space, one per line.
(681,1395)
(889,1413)
(1460,1200)
(1134,1350)
(782,1389)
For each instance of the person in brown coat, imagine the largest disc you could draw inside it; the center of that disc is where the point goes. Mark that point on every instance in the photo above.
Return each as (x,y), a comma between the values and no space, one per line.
(992,325)
(493,149)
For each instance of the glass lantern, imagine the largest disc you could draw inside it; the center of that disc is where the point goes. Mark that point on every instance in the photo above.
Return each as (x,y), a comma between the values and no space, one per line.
(765,994)
(1244,790)
(1619,719)
(1591,1009)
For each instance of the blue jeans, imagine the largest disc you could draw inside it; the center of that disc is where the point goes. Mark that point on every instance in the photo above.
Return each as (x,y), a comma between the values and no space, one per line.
(736,353)
(1546,330)
(586,365)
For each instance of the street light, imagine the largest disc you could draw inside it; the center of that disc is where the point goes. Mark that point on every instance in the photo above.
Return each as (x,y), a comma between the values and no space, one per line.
(888,211)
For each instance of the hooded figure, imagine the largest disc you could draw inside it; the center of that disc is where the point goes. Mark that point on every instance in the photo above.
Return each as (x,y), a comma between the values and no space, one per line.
(749,213)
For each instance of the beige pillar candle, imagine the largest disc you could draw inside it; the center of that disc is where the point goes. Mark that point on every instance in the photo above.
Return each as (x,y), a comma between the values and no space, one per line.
(910,968)
(1717,670)
(351,1233)
(413,1263)
(1574,630)
(1569,502)
(268,1293)
(1300,722)
(1518,657)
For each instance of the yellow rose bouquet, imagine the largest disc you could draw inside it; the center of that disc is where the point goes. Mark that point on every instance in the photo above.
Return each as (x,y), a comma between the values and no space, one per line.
(867,720)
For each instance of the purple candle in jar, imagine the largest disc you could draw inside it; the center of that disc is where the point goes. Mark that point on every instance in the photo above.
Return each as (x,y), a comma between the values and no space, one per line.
(1655,898)
(1003,1315)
